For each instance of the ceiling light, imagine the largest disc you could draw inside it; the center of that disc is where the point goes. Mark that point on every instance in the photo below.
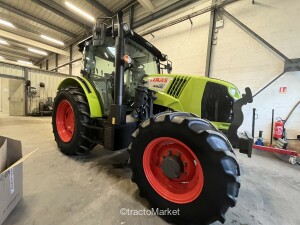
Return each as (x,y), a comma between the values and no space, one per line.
(25,62)
(80,12)
(37,51)
(6,23)
(3,42)
(52,39)
(1,57)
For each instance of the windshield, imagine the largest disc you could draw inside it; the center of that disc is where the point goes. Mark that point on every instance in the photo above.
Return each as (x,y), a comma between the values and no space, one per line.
(99,61)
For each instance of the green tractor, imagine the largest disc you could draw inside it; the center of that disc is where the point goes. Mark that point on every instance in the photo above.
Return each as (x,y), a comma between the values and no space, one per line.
(179,159)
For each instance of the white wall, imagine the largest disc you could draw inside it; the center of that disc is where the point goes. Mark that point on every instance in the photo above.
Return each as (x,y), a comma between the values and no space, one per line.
(184,43)
(240,59)
(271,98)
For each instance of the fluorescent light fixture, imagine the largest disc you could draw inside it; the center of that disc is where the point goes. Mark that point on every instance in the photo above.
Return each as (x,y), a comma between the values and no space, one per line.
(52,40)
(80,12)
(3,42)
(37,51)
(6,23)
(25,62)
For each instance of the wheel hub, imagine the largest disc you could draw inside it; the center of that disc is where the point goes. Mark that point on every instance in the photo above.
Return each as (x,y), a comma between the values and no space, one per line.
(172,166)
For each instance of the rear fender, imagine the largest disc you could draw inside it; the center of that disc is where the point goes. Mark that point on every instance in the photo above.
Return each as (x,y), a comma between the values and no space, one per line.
(90,93)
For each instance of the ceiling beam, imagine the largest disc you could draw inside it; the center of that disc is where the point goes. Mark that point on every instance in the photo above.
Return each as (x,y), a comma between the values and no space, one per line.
(163,12)
(18,52)
(11,54)
(147,4)
(18,38)
(62,12)
(101,7)
(18,64)
(35,19)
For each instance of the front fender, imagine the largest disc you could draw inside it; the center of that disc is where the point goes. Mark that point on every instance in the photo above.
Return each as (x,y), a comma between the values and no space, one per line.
(90,93)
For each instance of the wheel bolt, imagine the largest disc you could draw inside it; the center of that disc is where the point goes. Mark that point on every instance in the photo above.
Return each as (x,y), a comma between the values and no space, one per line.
(185,163)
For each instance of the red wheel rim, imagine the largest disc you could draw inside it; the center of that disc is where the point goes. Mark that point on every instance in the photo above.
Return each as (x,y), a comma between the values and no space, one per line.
(65,123)
(184,189)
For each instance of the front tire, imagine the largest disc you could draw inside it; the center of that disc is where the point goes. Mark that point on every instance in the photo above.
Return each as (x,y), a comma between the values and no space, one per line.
(180,161)
(70,120)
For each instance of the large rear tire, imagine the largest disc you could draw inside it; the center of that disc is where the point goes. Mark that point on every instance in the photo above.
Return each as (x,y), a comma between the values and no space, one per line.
(70,120)
(180,161)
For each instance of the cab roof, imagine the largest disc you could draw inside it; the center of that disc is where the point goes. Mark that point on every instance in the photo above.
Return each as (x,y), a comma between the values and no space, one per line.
(135,38)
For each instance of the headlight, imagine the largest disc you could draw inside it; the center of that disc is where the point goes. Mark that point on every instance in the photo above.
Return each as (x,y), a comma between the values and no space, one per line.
(234,93)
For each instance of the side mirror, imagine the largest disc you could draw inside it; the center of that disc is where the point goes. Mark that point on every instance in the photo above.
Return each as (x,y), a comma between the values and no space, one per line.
(99,33)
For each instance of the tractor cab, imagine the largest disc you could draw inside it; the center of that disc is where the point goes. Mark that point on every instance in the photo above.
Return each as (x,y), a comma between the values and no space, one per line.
(99,56)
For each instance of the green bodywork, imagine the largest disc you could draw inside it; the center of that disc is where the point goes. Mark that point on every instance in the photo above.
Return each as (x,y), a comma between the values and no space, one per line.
(185,96)
(94,103)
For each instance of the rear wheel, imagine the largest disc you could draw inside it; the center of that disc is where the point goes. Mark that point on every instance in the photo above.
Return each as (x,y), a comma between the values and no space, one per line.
(70,120)
(180,161)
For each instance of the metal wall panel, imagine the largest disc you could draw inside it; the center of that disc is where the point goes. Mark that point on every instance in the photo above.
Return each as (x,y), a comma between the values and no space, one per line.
(51,81)
(51,62)
(36,76)
(11,70)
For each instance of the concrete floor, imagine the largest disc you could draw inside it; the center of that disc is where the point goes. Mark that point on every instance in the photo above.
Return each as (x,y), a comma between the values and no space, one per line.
(92,189)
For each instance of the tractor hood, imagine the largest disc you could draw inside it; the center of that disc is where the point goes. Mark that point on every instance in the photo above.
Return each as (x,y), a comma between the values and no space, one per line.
(175,84)
(208,98)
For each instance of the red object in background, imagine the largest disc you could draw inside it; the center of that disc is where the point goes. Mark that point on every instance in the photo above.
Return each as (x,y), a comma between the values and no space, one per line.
(276,150)
(282,90)
(278,129)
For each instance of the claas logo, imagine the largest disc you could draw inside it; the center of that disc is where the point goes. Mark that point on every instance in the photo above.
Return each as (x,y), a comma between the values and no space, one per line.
(160,80)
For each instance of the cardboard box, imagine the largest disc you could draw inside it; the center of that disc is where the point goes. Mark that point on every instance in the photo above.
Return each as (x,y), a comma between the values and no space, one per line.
(11,175)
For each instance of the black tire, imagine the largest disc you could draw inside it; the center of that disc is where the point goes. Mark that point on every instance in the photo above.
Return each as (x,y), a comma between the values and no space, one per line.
(80,141)
(215,154)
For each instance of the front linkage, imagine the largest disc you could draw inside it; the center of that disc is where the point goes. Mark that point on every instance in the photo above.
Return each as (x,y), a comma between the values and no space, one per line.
(242,141)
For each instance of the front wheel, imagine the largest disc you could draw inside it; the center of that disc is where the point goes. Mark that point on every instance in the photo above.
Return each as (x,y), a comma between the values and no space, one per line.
(181,162)
(70,120)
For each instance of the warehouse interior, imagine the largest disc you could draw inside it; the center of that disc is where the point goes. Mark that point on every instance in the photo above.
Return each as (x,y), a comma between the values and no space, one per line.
(236,43)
